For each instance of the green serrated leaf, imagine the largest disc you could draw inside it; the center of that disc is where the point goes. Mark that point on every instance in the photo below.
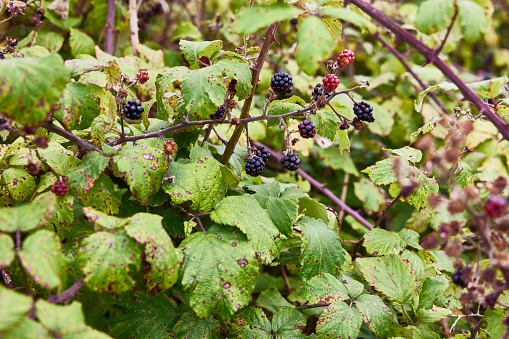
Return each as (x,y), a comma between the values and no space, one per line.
(324,288)
(254,221)
(463,174)
(432,288)
(142,167)
(102,196)
(194,50)
(30,86)
(339,321)
(163,81)
(27,217)
(251,322)
(287,322)
(408,153)
(19,183)
(251,19)
(58,158)
(472,24)
(390,275)
(321,249)
(198,182)
(282,209)
(426,128)
(433,15)
(15,306)
(369,194)
(80,43)
(51,40)
(82,177)
(433,315)
(42,257)
(191,326)
(279,107)
(219,271)
(382,172)
(411,237)
(314,42)
(349,14)
(6,250)
(375,314)
(272,300)
(381,242)
(420,196)
(326,123)
(105,259)
(237,68)
(160,254)
(312,208)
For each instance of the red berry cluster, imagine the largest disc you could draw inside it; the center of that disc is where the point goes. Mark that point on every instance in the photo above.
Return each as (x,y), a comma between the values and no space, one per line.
(495,206)
(346,57)
(170,147)
(142,77)
(59,188)
(330,82)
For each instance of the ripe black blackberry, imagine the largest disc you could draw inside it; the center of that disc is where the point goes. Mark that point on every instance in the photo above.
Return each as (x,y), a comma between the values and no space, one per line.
(291,161)
(457,278)
(59,188)
(318,91)
(307,129)
(3,121)
(133,110)
(281,83)
(219,113)
(263,153)
(363,111)
(255,166)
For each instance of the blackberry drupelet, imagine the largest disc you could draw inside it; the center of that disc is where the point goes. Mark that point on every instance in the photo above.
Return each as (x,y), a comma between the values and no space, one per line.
(59,188)
(363,111)
(255,166)
(219,113)
(307,129)
(291,161)
(318,91)
(281,83)
(263,153)
(133,110)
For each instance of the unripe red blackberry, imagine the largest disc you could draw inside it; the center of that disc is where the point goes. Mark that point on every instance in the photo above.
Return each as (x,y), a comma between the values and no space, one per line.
(291,161)
(170,147)
(59,188)
(142,77)
(495,206)
(307,129)
(346,57)
(330,82)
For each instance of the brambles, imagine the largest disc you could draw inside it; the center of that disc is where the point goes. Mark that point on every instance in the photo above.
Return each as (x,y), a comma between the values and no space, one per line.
(59,188)
(255,166)
(263,153)
(363,111)
(142,77)
(495,206)
(307,129)
(330,82)
(170,147)
(346,57)
(291,161)
(281,83)
(219,113)
(318,91)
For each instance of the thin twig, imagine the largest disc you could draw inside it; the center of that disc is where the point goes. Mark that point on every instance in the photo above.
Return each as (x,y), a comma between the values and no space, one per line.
(69,136)
(285,278)
(68,294)
(344,192)
(393,201)
(199,223)
(439,49)
(307,306)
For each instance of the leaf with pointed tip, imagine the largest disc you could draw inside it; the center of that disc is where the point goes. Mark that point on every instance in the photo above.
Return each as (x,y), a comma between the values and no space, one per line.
(272,300)
(324,288)
(198,181)
(434,314)
(375,314)
(219,271)
(381,242)
(326,123)
(407,153)
(391,275)
(19,183)
(433,15)
(191,326)
(287,323)
(27,217)
(42,257)
(313,209)
(314,42)
(82,177)
(160,254)
(105,259)
(252,220)
(382,172)
(339,321)
(103,220)
(15,306)
(163,81)
(321,249)
(142,167)
(432,288)
(472,24)
(237,68)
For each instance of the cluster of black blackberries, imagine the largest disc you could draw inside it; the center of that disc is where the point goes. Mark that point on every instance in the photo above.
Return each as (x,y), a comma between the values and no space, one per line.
(318,91)
(291,161)
(457,278)
(281,83)
(219,113)
(307,129)
(363,111)
(133,110)
(256,164)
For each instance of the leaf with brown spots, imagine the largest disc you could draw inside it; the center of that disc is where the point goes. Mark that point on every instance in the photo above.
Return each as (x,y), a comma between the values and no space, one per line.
(103,196)
(27,217)
(339,321)
(58,158)
(82,177)
(19,183)
(191,326)
(375,314)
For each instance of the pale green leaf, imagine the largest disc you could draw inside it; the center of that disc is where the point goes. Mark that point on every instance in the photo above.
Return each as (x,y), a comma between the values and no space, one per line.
(194,50)
(80,43)
(338,160)
(272,300)
(426,128)
(382,172)
(432,288)
(27,328)
(325,288)
(433,315)
(163,81)
(59,158)
(27,217)
(6,250)
(375,314)
(411,237)
(369,194)
(381,242)
(14,307)
(82,177)
(472,24)
(463,174)
(312,208)
(237,68)
(408,153)
(104,220)
(19,183)
(433,15)
(326,123)
(314,42)
(250,19)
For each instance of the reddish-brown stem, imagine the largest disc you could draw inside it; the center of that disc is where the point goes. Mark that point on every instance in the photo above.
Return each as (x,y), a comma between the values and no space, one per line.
(68,294)
(133,21)
(69,136)
(439,49)
(110,27)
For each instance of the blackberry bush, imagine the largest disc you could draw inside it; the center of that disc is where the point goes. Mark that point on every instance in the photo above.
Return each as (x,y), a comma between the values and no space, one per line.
(363,111)
(346,57)
(133,110)
(255,166)
(307,129)
(59,188)
(263,153)
(330,82)
(219,113)
(291,161)
(281,83)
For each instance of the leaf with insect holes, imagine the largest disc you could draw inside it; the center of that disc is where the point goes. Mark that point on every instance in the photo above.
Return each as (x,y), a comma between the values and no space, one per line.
(237,68)
(321,249)
(143,169)
(105,259)
(194,50)
(160,254)
(103,196)
(27,217)
(390,275)
(408,153)
(219,271)
(254,221)
(426,128)
(31,86)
